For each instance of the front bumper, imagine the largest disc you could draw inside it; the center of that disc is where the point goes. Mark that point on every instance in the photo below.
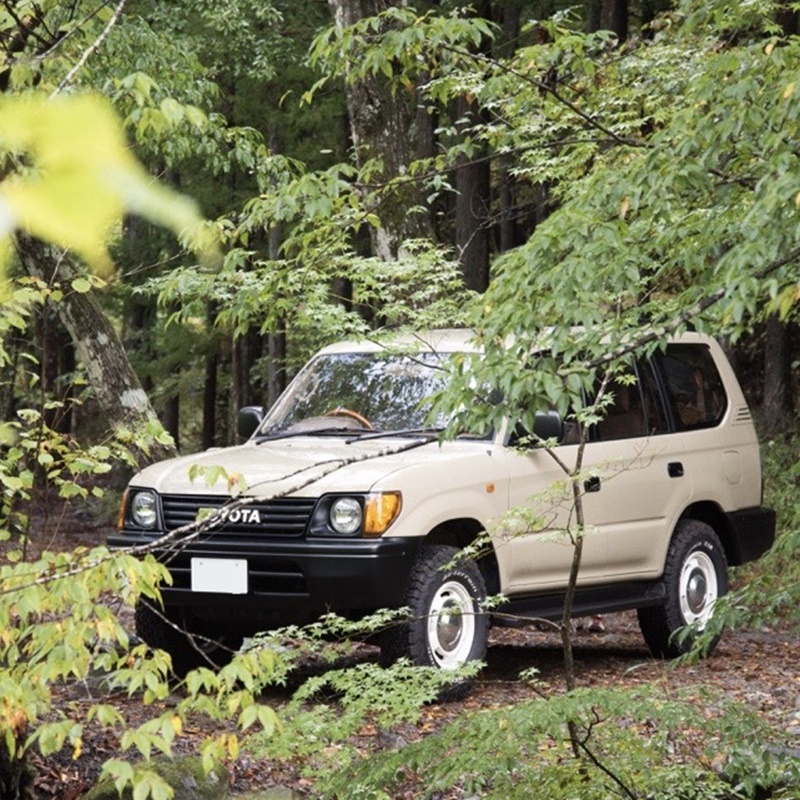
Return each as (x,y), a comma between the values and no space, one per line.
(289,581)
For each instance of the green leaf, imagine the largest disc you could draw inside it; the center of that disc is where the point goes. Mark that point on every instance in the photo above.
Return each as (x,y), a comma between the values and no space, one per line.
(82,285)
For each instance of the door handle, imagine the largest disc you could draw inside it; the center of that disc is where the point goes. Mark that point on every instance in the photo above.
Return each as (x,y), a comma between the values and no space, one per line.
(592,484)
(675,469)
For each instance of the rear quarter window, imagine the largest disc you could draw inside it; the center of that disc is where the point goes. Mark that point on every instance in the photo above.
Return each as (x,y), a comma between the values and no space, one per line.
(693,386)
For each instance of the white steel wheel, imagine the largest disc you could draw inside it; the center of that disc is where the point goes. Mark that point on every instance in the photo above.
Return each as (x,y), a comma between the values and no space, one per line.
(695,577)
(451,625)
(698,588)
(446,626)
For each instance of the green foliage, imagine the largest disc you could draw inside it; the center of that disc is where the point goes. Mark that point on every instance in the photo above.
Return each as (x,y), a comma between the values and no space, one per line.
(60,628)
(421,289)
(672,161)
(398,44)
(675,163)
(169,100)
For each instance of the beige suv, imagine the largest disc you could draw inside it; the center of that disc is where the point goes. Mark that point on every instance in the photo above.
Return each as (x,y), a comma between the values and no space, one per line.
(352,504)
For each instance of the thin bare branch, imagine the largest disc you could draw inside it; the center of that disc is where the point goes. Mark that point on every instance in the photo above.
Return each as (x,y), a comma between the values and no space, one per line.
(90,49)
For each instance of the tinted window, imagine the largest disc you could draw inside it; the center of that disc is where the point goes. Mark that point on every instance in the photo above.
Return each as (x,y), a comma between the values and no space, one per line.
(635,410)
(694,388)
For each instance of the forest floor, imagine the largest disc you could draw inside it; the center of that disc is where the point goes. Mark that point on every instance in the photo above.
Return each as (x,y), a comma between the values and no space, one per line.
(757,668)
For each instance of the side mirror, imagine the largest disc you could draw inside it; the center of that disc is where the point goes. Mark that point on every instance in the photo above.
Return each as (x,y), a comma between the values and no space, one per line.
(548,425)
(248,421)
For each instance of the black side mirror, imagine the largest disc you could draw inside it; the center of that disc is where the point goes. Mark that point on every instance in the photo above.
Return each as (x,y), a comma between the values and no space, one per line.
(249,419)
(548,425)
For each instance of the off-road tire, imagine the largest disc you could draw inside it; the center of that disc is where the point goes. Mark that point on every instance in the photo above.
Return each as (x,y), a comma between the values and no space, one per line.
(432,636)
(695,575)
(176,633)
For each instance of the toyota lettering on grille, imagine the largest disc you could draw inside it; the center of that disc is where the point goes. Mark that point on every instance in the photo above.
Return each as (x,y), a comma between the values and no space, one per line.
(247,516)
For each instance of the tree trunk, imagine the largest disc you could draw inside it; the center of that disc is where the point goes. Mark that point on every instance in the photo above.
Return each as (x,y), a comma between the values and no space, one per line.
(615,17)
(9,369)
(47,336)
(593,14)
(473,192)
(210,386)
(276,366)
(506,183)
(172,418)
(473,213)
(115,385)
(789,19)
(778,408)
(650,9)
(226,427)
(380,125)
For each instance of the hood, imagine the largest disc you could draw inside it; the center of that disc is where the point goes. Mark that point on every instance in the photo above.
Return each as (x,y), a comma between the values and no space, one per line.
(305,465)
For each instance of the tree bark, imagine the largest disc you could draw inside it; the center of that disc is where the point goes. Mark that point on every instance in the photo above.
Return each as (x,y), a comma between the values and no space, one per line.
(115,385)
(210,386)
(49,335)
(778,405)
(276,366)
(381,124)
(473,192)
(615,17)
(650,9)
(473,212)
(9,368)
(593,14)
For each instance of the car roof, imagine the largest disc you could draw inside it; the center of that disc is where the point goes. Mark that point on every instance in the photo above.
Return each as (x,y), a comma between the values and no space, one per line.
(444,340)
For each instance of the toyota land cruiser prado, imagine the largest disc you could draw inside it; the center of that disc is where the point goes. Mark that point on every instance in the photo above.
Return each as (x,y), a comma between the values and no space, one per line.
(352,504)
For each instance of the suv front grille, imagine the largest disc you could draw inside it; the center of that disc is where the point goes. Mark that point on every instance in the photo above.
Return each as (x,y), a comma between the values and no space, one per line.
(284,516)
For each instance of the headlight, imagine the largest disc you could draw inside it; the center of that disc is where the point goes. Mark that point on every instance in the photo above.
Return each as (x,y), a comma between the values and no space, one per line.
(346,515)
(368,515)
(143,509)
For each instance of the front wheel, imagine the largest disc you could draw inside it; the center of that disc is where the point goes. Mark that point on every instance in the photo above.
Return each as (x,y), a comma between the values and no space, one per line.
(447,626)
(695,577)
(180,636)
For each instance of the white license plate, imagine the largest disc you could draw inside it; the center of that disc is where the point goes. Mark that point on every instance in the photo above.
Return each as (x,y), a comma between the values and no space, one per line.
(221,575)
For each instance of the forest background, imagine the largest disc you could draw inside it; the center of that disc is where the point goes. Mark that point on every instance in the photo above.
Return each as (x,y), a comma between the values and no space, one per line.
(630,167)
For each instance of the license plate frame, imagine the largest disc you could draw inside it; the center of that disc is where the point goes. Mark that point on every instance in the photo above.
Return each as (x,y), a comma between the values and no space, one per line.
(219,575)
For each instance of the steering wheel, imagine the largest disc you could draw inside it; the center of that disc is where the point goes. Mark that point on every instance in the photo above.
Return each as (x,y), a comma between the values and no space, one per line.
(348,412)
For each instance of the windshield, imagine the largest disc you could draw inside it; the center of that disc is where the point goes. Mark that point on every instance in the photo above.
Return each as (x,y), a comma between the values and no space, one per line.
(389,392)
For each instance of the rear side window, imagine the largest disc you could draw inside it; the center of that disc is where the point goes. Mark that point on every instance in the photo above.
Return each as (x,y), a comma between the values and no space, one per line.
(635,409)
(694,389)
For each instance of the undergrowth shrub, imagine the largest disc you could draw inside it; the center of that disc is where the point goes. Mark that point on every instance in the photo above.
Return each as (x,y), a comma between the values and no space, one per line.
(636,743)
(767,591)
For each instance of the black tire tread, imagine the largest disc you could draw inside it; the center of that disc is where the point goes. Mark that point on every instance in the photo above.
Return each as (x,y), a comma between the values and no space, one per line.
(659,623)
(408,639)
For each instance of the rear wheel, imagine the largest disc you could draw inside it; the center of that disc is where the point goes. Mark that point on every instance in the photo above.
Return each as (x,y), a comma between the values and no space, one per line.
(177,633)
(447,627)
(695,576)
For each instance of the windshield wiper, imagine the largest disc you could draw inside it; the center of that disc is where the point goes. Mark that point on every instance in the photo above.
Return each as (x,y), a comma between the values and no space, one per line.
(272,437)
(430,433)
(367,435)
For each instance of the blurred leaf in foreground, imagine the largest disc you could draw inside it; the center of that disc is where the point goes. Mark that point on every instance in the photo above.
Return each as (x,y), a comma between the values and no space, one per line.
(73,178)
